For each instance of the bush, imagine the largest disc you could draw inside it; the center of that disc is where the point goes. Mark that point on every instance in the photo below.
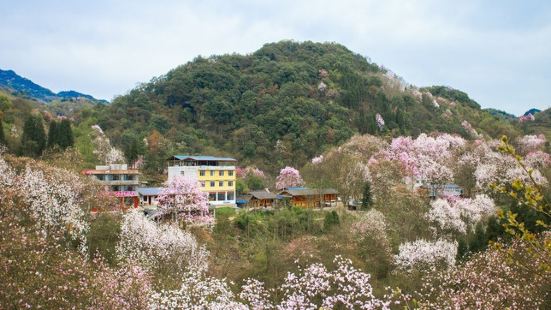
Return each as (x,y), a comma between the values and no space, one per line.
(331,219)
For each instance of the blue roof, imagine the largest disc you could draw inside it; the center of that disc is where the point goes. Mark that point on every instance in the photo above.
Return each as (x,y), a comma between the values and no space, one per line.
(202,158)
(149,191)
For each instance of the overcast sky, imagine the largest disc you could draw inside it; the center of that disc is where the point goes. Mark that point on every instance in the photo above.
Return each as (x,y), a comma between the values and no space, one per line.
(499,52)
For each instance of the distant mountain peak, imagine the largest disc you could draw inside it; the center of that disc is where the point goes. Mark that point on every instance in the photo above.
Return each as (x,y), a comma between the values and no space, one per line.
(532,111)
(17,84)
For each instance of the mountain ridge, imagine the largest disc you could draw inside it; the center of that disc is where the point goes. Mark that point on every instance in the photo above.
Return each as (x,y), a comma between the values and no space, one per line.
(13,82)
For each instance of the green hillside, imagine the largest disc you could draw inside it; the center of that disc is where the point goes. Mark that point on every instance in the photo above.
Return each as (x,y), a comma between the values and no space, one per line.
(284,104)
(281,105)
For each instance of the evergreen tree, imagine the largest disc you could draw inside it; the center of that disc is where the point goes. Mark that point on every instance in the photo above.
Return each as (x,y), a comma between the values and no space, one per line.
(65,134)
(131,150)
(371,124)
(2,137)
(366,199)
(33,139)
(53,134)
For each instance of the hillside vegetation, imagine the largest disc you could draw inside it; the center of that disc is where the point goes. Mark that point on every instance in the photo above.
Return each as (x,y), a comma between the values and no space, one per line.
(284,104)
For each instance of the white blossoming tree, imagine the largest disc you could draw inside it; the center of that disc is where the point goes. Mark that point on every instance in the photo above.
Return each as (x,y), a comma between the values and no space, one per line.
(150,244)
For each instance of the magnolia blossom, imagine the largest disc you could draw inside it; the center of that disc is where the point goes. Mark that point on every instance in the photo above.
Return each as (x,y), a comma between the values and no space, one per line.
(380,121)
(460,213)
(149,244)
(426,253)
(446,216)
(538,159)
(315,287)
(531,143)
(184,199)
(7,174)
(493,167)
(243,172)
(489,280)
(426,158)
(103,149)
(54,201)
(126,288)
(197,292)
(526,118)
(317,160)
(288,177)
(469,128)
(254,294)
(373,222)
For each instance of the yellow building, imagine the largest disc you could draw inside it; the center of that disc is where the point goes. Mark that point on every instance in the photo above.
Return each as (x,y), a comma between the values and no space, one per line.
(214,175)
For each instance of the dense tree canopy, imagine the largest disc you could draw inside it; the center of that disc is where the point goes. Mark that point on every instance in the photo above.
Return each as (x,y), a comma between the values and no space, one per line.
(282,105)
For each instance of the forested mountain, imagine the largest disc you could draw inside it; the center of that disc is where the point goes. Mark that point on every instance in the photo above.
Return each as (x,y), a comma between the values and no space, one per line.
(284,104)
(21,86)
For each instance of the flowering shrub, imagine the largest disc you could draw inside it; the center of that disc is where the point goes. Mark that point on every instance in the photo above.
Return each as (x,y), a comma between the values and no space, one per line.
(459,213)
(469,128)
(243,172)
(492,167)
(531,143)
(317,160)
(54,201)
(288,177)
(126,288)
(426,253)
(527,118)
(103,149)
(538,159)
(37,271)
(183,199)
(490,280)
(446,216)
(144,242)
(315,287)
(197,291)
(372,222)
(426,158)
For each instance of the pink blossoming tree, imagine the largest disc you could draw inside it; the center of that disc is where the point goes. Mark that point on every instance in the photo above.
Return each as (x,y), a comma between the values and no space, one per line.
(183,199)
(288,177)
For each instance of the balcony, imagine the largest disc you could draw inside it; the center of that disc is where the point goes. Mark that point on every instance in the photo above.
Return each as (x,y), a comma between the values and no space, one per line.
(120,182)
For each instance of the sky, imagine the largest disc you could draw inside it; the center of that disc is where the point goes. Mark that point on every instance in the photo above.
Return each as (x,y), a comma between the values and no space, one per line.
(499,52)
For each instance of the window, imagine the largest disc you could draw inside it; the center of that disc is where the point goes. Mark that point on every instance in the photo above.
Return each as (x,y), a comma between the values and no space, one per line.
(230,173)
(202,183)
(182,172)
(221,173)
(212,196)
(202,173)
(230,196)
(212,173)
(221,196)
(221,183)
(230,183)
(100,177)
(212,184)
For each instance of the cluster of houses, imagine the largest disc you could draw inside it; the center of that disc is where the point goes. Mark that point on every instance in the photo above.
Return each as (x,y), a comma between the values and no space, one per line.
(216,176)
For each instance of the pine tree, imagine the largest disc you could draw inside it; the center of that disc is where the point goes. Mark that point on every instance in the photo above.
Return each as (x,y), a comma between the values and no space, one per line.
(33,139)
(53,134)
(366,199)
(2,137)
(65,134)
(131,151)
